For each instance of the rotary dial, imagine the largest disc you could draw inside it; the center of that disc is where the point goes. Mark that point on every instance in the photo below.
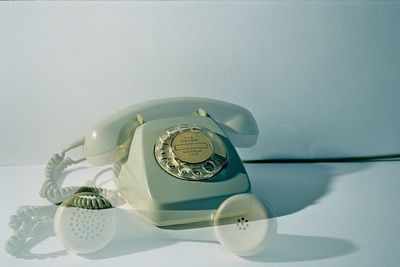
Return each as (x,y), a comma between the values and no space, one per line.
(190,152)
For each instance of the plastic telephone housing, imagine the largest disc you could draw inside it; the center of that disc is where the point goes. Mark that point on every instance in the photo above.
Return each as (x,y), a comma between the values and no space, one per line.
(165,199)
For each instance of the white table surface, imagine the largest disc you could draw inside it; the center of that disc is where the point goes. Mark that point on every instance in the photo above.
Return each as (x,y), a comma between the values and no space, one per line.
(328,215)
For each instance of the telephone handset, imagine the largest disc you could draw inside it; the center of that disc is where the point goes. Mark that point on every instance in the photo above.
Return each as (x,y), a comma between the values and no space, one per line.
(175,164)
(111,135)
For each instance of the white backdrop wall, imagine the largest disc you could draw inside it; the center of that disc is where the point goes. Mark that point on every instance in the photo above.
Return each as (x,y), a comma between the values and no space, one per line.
(322,79)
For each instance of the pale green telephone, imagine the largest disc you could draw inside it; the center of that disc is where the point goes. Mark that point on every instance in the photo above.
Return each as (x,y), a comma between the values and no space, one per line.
(175,164)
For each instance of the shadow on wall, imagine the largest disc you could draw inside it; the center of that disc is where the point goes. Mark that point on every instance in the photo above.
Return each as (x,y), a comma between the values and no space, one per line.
(288,188)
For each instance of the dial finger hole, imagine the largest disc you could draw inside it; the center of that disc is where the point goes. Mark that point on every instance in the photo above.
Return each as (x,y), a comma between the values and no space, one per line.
(209,166)
(171,164)
(197,172)
(184,170)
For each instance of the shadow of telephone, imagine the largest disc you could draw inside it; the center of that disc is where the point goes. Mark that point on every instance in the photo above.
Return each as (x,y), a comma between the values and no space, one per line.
(175,166)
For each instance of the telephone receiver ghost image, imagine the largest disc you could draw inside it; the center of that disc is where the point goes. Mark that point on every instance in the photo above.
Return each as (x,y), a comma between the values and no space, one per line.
(175,165)
(241,225)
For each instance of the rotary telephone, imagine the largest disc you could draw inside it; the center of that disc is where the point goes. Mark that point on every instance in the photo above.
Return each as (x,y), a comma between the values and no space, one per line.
(175,166)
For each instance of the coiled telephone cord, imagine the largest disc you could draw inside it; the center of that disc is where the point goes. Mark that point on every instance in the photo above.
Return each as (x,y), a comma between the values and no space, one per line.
(86,197)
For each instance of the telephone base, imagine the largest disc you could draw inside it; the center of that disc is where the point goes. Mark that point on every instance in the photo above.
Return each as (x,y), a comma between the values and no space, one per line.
(167,200)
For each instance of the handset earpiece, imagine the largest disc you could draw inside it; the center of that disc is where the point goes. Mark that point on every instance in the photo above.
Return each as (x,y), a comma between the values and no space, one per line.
(242,224)
(85,223)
